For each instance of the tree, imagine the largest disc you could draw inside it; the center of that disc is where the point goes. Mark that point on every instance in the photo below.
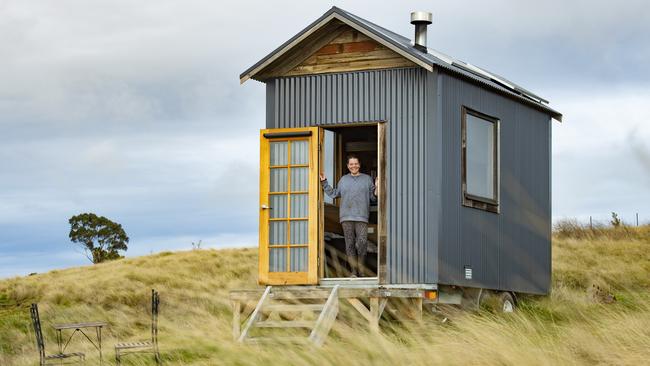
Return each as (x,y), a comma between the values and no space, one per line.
(616,222)
(100,238)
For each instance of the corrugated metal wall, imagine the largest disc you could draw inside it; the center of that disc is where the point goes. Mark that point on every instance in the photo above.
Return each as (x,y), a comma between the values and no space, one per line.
(510,250)
(399,97)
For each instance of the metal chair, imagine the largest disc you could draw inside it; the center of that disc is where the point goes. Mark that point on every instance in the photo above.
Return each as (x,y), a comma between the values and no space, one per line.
(143,346)
(44,359)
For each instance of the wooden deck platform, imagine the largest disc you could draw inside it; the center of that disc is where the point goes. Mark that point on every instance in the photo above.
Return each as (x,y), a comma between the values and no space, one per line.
(262,307)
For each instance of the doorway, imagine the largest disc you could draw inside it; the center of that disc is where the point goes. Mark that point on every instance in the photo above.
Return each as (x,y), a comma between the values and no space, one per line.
(366,143)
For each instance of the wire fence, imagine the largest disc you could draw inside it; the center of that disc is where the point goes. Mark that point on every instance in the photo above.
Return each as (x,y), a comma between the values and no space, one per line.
(614,227)
(603,220)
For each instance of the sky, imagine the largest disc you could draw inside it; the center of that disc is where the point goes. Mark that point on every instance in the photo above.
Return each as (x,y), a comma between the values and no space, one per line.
(134,111)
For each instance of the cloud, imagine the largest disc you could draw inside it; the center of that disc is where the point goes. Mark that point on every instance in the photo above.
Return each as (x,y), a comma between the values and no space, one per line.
(598,153)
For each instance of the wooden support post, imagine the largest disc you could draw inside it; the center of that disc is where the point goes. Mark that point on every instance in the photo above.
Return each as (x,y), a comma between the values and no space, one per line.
(374,314)
(361,308)
(382,305)
(417,307)
(236,318)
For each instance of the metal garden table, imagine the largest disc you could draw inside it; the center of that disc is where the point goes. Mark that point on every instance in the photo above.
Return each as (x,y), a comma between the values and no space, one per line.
(79,327)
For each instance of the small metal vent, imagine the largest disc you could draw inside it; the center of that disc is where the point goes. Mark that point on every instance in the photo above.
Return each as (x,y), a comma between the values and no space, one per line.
(468,272)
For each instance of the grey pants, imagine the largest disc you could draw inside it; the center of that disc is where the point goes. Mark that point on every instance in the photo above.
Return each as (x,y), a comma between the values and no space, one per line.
(356,238)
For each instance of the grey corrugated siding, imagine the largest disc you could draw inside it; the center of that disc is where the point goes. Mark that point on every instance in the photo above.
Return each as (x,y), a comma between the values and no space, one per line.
(397,96)
(510,250)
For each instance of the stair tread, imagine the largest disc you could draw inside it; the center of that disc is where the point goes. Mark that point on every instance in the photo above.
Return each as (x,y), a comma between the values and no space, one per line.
(293,307)
(277,340)
(286,324)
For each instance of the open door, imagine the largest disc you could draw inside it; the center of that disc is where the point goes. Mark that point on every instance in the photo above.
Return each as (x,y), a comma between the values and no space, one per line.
(289,191)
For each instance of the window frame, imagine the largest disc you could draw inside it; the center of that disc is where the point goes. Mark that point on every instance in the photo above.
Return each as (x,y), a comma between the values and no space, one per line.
(468,199)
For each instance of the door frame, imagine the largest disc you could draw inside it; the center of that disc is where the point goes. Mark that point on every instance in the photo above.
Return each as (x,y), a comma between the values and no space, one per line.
(381,198)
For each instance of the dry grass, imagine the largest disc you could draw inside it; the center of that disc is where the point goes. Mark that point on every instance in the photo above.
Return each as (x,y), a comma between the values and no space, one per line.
(568,327)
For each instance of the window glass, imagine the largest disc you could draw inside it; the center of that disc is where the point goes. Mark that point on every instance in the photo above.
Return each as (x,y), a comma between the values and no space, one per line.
(278,203)
(299,206)
(277,233)
(278,260)
(299,179)
(299,152)
(299,232)
(279,153)
(278,180)
(299,258)
(480,153)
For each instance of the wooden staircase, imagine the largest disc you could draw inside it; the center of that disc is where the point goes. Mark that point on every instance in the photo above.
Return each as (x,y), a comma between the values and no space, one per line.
(268,314)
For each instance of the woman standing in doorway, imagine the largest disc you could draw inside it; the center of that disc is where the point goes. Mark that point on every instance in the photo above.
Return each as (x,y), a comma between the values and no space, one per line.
(356,190)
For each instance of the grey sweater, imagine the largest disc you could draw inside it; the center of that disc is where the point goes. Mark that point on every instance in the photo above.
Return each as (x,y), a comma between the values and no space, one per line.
(356,194)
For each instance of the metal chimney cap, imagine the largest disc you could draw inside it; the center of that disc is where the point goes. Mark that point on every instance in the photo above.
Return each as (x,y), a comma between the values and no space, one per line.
(421,17)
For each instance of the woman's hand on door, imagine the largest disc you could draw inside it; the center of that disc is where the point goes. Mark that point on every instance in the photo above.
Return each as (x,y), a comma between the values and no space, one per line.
(322,176)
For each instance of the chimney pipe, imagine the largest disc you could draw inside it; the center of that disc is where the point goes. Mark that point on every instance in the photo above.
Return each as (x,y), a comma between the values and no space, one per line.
(421,19)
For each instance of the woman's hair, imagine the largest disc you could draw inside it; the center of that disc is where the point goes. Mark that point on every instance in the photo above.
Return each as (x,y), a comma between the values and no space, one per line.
(352,156)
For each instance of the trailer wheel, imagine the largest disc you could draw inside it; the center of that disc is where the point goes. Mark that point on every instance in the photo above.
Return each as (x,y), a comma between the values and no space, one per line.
(506,302)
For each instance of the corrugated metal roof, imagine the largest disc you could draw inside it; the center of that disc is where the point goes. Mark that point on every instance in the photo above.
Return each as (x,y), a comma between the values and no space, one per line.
(405,47)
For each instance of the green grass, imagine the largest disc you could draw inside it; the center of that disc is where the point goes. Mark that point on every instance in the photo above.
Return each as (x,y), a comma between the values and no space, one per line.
(570,326)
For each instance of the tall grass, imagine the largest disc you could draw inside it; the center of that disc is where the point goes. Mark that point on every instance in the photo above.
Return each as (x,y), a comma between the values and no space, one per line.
(570,326)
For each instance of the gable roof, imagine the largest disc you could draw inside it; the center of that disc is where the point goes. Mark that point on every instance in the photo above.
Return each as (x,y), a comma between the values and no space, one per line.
(404,47)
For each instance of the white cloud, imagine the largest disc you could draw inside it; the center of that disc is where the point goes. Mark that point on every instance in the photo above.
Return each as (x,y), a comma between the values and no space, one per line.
(598,151)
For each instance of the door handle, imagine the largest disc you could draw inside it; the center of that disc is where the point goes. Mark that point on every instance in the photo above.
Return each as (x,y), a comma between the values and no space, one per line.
(265,207)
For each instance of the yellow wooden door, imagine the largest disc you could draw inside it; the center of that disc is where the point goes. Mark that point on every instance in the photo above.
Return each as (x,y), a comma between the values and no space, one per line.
(289,189)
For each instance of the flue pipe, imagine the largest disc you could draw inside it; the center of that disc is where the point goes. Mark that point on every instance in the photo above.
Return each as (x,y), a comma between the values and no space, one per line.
(421,19)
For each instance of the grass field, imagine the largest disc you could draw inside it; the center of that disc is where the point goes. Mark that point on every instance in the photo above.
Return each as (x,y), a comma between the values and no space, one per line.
(570,326)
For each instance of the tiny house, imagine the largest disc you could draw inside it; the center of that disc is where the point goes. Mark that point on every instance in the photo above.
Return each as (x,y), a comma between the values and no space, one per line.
(462,157)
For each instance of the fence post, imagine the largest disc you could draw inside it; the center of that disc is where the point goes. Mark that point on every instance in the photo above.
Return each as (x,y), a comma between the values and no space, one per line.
(591,224)
(637,219)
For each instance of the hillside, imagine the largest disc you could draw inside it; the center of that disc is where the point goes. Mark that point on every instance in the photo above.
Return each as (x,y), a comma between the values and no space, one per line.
(572,325)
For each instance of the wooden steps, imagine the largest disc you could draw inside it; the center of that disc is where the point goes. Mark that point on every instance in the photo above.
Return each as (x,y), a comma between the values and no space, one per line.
(269,315)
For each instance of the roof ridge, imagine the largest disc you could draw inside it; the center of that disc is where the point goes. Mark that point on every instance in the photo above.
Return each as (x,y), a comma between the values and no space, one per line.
(407,49)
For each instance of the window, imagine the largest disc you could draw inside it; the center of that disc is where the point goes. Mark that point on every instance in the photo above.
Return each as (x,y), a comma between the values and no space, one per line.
(480,159)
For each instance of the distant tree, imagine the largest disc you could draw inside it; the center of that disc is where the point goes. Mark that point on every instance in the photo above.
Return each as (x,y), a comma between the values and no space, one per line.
(616,222)
(100,238)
